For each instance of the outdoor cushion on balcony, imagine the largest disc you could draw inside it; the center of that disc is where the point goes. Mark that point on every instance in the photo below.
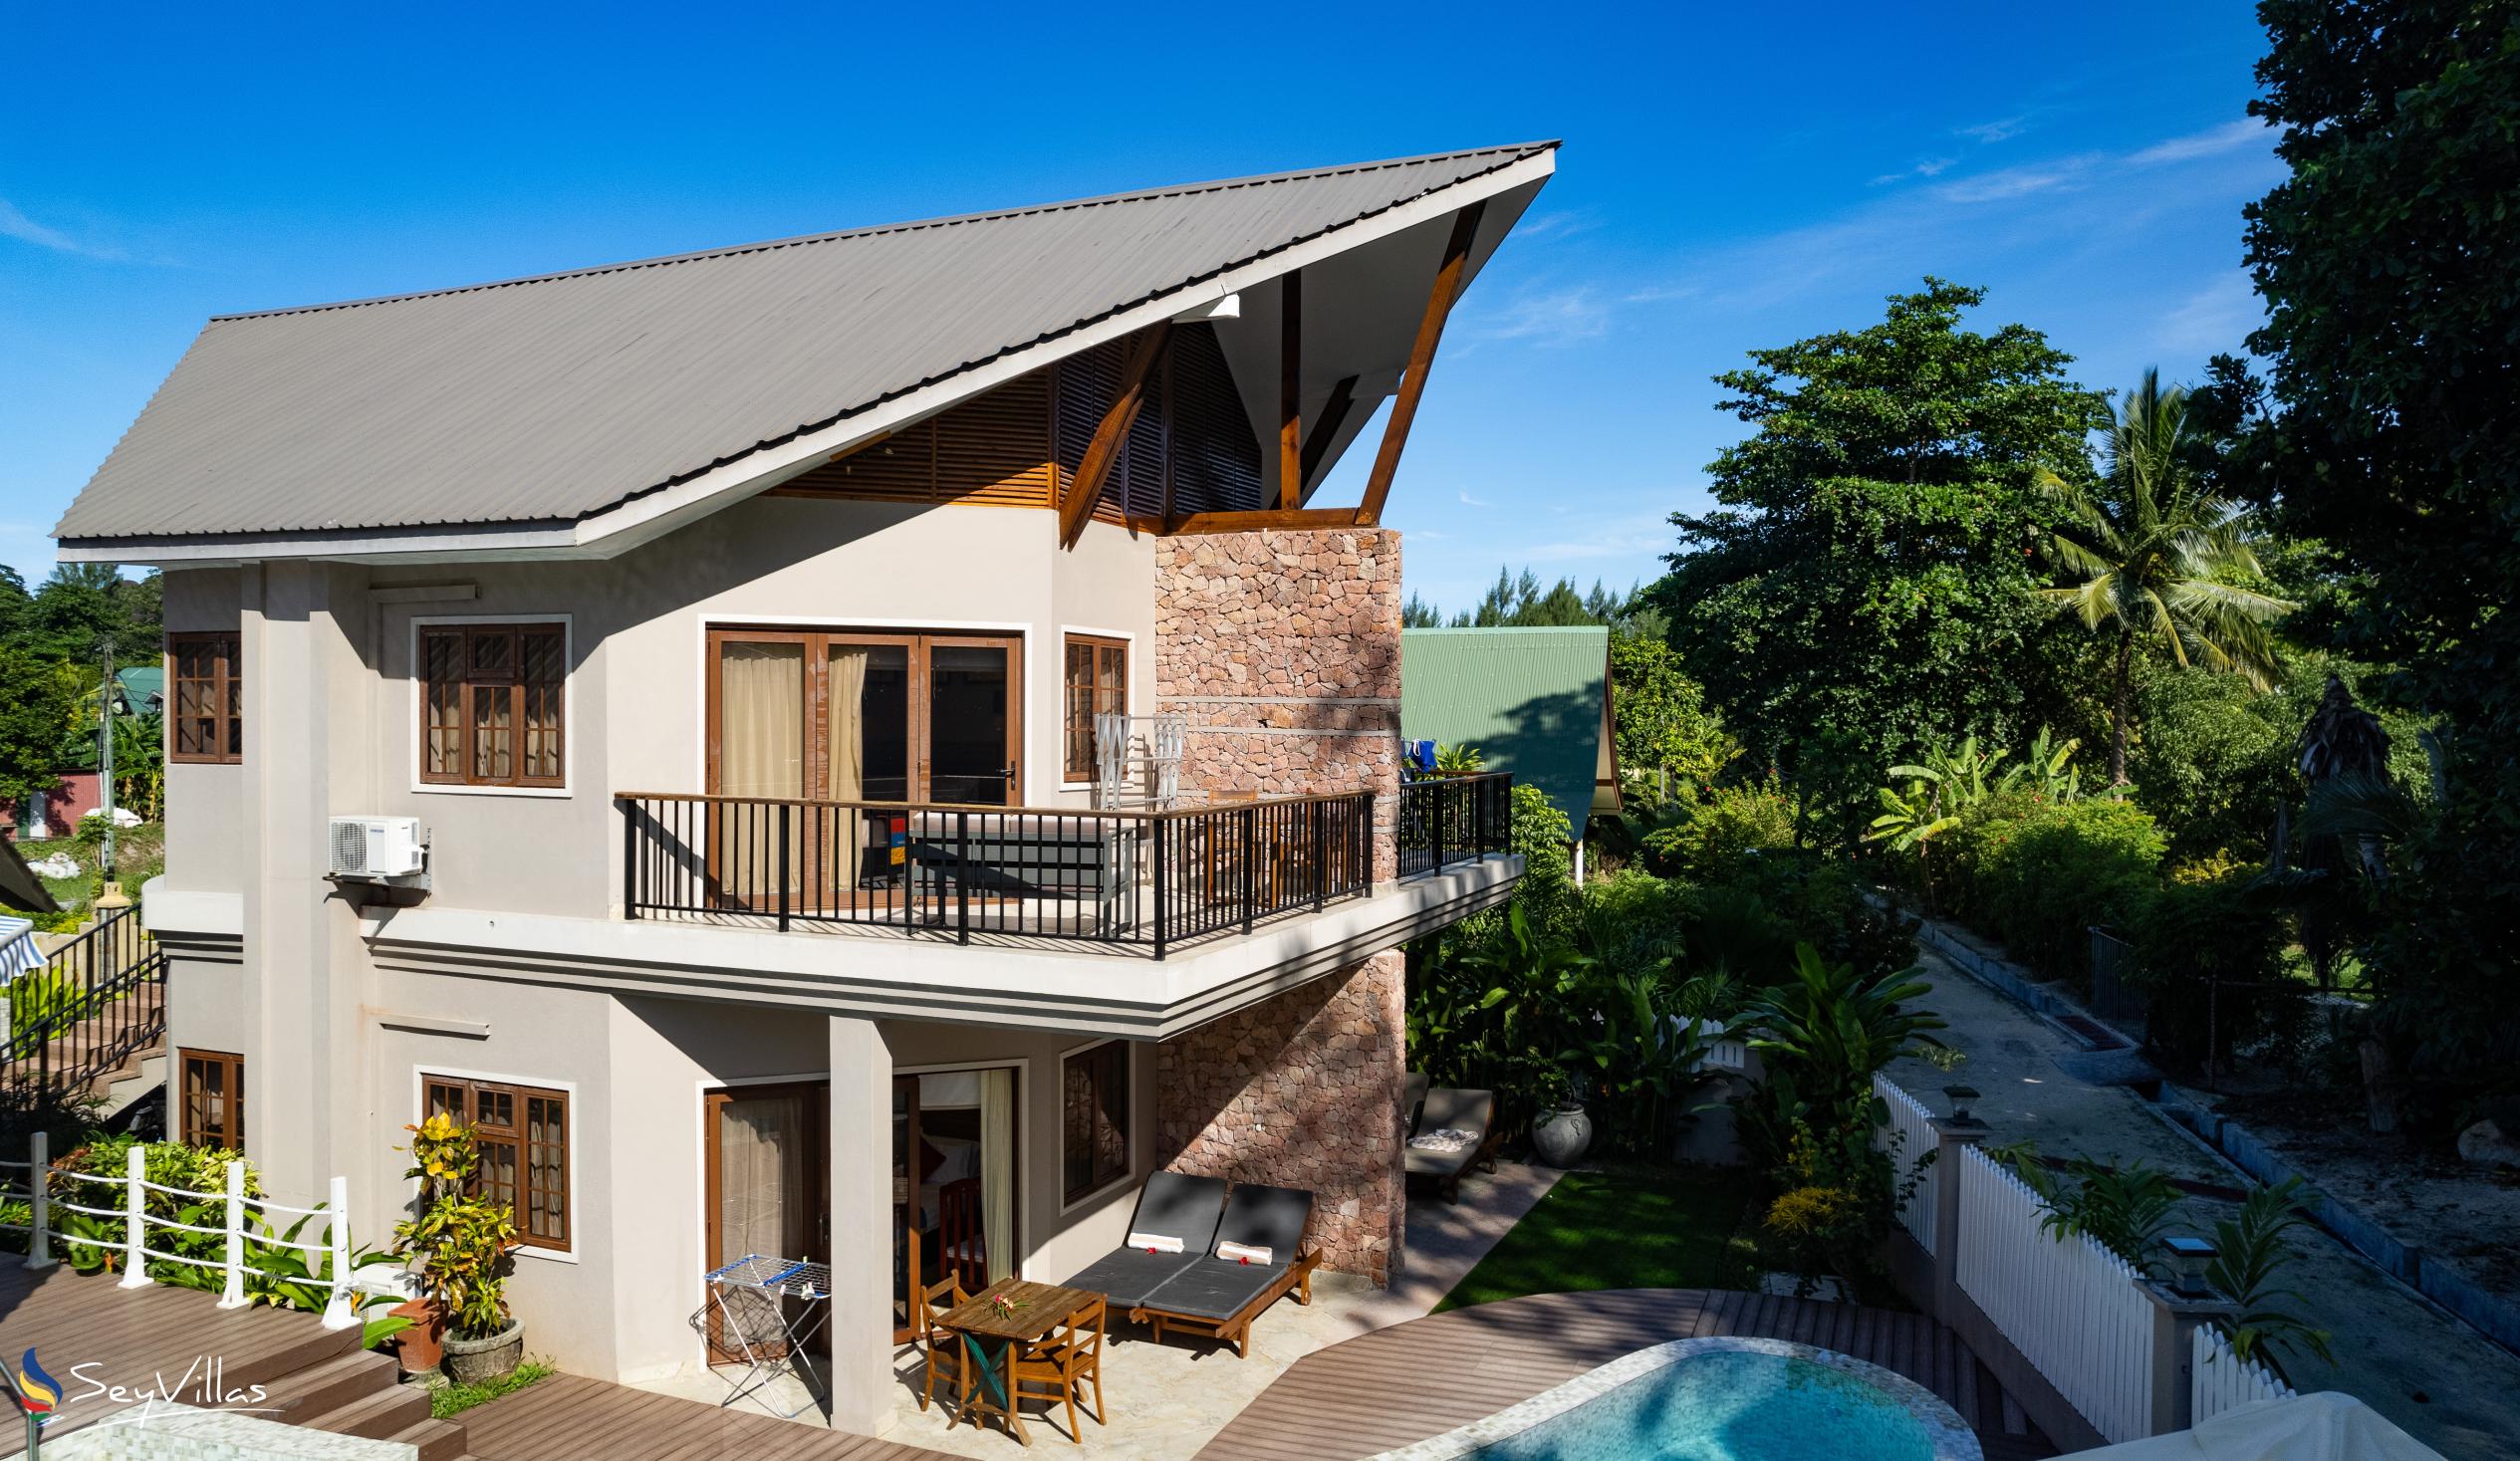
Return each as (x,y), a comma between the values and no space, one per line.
(1450,1110)
(1175,1205)
(1256,1217)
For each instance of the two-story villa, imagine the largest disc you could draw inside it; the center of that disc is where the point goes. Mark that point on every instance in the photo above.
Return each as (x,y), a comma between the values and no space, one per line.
(743,635)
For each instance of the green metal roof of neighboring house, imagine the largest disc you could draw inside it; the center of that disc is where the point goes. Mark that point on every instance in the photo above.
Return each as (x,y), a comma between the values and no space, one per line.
(140,682)
(1536,703)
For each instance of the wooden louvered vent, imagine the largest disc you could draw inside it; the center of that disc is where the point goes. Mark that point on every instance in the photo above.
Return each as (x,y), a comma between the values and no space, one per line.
(1192,448)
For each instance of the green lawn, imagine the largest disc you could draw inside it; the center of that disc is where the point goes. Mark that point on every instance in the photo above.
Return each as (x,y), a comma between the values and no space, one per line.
(1606,1230)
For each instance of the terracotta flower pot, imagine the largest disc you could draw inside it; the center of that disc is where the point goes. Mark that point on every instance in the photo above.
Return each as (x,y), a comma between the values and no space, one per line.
(416,1348)
(474,1362)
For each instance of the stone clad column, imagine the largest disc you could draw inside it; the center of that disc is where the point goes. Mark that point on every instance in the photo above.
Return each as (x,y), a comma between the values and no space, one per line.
(1283,650)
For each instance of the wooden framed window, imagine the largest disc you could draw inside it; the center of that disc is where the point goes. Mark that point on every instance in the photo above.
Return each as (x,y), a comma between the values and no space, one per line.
(213,1099)
(1096,683)
(522,1133)
(205,716)
(493,702)
(1093,1118)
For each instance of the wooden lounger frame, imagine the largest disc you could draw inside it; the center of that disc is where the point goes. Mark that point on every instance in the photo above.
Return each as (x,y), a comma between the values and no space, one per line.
(1236,1328)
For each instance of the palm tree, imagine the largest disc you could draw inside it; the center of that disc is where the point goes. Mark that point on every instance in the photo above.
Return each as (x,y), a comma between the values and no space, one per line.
(2153,552)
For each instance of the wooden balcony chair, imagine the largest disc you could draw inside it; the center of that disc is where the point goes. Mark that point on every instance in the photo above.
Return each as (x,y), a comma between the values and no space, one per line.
(1058,1365)
(942,1348)
(962,1247)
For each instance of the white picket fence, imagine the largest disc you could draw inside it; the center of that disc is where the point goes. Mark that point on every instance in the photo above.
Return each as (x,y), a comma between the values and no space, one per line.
(2074,1310)
(1910,1138)
(2219,1380)
(1730,1054)
(125,1200)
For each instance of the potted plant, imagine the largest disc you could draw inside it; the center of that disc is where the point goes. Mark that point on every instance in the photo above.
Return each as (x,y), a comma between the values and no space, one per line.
(1562,1135)
(464,1245)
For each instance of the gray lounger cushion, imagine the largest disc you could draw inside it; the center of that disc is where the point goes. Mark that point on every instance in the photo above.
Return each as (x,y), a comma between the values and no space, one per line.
(1215,1288)
(1175,1205)
(1412,1095)
(1453,1110)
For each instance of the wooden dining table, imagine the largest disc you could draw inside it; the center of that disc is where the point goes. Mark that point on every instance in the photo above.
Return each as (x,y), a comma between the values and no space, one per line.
(1038,1309)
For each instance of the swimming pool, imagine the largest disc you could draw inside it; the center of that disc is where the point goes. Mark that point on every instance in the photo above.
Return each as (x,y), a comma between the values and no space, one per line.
(1718,1400)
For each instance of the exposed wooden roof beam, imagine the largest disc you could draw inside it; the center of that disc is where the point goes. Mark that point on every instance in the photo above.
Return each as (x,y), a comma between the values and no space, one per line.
(1290,390)
(1086,486)
(1421,357)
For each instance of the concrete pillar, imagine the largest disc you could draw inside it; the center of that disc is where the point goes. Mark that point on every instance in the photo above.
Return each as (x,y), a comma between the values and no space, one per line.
(309,755)
(1952,1138)
(2176,1319)
(862,1226)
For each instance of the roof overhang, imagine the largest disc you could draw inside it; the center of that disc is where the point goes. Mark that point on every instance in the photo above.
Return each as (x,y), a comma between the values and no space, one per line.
(1360,332)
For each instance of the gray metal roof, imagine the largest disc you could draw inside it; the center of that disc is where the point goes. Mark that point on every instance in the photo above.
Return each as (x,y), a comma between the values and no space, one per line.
(547,400)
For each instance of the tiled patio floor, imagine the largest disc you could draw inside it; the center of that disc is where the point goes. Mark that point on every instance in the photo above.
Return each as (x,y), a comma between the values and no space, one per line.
(1167,1400)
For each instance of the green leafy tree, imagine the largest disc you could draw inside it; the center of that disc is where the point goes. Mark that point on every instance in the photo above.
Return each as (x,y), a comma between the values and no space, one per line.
(2387,267)
(1662,723)
(83,606)
(1867,582)
(38,712)
(2149,554)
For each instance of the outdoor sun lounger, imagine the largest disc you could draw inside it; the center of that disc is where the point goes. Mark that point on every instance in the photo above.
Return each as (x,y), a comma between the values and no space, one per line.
(1172,1205)
(1412,1095)
(1222,1297)
(1447,1109)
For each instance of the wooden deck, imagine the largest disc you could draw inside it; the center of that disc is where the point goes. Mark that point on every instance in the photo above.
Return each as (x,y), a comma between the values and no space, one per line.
(566,1415)
(1428,1375)
(178,1343)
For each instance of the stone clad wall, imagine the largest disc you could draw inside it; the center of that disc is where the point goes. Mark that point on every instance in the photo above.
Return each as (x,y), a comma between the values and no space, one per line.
(1283,648)
(1301,1091)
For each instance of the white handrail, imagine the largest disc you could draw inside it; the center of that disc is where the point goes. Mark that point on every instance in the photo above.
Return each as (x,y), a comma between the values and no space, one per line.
(136,1220)
(233,1263)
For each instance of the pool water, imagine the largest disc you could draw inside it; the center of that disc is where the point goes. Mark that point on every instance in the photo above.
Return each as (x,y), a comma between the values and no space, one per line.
(1728,1405)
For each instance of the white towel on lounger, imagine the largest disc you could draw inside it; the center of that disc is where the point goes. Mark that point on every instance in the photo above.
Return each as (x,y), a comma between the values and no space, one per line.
(1154,1242)
(1245,1253)
(1446,1140)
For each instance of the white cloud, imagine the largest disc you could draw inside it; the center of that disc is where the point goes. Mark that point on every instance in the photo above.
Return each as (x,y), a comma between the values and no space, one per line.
(2219,317)
(2015,183)
(2001,129)
(1555,225)
(2228,137)
(1551,317)
(15,224)
(1469,501)
(1930,168)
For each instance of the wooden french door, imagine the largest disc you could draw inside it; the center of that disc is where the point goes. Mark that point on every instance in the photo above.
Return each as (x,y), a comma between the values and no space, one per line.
(767,1176)
(842,716)
(906,1259)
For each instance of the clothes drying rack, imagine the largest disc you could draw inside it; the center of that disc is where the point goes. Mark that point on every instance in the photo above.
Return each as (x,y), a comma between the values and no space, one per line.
(765,1310)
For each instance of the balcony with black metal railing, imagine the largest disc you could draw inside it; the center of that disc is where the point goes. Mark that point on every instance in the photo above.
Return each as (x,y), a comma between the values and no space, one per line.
(1148,881)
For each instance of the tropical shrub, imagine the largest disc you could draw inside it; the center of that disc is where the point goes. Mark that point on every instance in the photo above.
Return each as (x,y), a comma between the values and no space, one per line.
(2251,1251)
(2123,1209)
(2210,947)
(1537,1019)
(464,1243)
(1819,898)
(1725,825)
(2039,875)
(1829,1027)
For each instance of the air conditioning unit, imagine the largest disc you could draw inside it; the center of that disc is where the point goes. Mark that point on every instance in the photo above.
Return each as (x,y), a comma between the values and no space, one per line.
(378,849)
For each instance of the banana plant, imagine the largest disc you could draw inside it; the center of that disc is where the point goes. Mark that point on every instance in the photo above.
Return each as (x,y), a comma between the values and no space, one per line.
(1832,1029)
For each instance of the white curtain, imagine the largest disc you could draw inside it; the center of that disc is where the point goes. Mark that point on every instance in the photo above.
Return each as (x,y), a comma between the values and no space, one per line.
(762,1201)
(761,753)
(847,772)
(997,1169)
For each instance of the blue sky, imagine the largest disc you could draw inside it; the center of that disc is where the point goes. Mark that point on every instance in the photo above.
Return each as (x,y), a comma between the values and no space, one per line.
(1733,176)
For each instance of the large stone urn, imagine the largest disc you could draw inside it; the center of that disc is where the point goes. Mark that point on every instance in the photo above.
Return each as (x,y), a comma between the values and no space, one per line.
(477,1362)
(1563,1136)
